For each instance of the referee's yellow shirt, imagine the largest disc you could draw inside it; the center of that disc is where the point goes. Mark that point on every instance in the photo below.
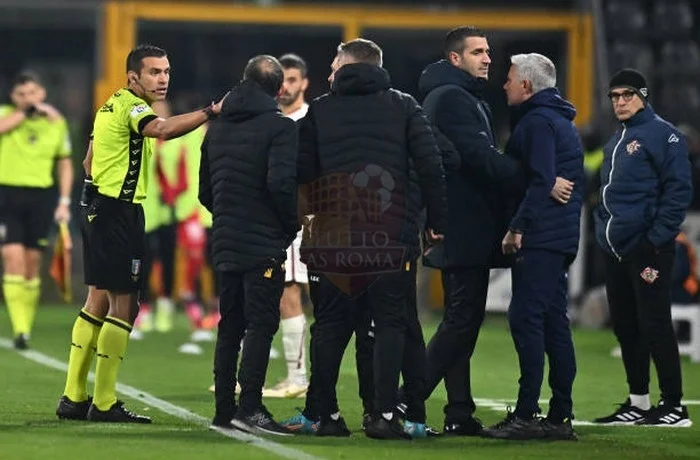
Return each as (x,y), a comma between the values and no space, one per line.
(120,154)
(28,152)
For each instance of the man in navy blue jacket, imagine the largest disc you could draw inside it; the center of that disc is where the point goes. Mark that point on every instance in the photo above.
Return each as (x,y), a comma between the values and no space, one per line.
(646,188)
(544,236)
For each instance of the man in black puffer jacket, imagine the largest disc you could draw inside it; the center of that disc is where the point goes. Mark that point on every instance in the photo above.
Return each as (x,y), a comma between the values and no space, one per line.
(358,147)
(248,182)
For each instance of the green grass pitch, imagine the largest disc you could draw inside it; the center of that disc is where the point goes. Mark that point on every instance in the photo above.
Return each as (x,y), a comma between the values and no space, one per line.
(30,430)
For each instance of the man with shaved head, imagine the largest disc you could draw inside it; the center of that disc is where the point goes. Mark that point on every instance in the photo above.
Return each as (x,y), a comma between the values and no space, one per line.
(248,182)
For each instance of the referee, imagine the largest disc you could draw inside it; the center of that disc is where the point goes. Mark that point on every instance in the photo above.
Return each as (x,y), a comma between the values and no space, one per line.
(117,160)
(33,137)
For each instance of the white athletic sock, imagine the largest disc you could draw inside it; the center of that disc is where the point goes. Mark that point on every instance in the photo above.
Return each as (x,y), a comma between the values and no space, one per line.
(293,332)
(641,401)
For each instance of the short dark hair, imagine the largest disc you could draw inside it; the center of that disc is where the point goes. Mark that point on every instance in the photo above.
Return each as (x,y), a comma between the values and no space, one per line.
(454,40)
(24,77)
(294,61)
(362,50)
(134,61)
(267,72)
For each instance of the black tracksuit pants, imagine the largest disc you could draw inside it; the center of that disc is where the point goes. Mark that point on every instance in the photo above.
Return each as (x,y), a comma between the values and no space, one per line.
(397,347)
(639,295)
(249,306)
(450,350)
(336,317)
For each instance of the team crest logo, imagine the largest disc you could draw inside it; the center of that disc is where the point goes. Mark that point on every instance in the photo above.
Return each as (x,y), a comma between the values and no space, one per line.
(633,146)
(135,269)
(649,275)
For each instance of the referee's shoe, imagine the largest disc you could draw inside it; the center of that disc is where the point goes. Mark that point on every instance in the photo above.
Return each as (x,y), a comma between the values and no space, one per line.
(115,414)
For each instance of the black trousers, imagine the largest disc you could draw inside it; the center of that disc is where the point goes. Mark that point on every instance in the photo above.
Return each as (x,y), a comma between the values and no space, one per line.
(398,346)
(249,305)
(398,343)
(639,295)
(160,245)
(336,317)
(450,350)
(539,325)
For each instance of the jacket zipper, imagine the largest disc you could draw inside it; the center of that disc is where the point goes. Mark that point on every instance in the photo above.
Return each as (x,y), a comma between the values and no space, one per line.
(605,200)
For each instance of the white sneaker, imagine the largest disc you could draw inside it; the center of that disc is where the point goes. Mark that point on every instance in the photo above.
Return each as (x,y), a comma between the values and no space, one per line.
(202,335)
(285,389)
(190,349)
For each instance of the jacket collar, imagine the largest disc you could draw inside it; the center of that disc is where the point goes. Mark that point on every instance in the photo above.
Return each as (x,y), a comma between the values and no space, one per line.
(643,116)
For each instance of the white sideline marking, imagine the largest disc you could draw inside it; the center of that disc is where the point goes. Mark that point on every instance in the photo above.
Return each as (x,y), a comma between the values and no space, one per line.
(168,408)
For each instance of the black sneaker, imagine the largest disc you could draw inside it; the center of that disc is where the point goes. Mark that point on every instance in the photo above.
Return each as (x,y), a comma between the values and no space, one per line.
(667,415)
(71,410)
(116,414)
(222,421)
(21,342)
(334,428)
(465,427)
(516,429)
(401,409)
(381,428)
(260,421)
(559,430)
(366,420)
(626,414)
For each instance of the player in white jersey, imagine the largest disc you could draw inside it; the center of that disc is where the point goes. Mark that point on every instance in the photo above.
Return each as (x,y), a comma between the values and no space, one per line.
(293,323)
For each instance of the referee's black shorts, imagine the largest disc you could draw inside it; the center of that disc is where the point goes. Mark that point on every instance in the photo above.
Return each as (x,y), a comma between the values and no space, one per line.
(113,244)
(26,214)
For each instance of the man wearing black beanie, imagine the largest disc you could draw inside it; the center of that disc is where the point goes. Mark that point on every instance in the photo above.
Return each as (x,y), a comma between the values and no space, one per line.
(646,188)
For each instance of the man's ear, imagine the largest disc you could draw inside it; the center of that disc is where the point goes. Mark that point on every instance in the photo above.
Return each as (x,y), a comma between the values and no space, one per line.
(453,57)
(132,76)
(304,84)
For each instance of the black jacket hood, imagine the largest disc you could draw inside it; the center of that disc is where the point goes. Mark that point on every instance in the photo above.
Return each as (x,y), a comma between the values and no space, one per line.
(360,78)
(442,73)
(247,100)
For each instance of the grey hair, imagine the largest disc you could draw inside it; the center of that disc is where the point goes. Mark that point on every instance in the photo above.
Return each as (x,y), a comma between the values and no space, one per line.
(539,70)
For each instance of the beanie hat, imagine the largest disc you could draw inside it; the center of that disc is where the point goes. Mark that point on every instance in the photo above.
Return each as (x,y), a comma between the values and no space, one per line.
(630,78)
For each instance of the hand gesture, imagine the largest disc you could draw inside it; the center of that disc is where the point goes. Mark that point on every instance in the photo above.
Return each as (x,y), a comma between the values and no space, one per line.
(562,189)
(512,242)
(49,111)
(433,237)
(216,108)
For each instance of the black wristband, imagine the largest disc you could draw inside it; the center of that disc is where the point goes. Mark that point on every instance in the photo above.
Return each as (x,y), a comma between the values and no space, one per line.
(209,113)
